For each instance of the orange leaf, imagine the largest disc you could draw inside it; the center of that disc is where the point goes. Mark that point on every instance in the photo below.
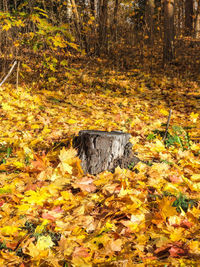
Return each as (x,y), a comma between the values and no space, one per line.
(40,163)
(81,252)
(177,251)
(175,179)
(116,245)
(86,184)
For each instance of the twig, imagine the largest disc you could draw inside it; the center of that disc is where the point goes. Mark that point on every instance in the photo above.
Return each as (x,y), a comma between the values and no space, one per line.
(17,80)
(10,71)
(167,127)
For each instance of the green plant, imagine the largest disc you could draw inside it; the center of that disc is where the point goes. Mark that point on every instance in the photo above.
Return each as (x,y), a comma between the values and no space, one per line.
(5,153)
(166,161)
(3,245)
(151,136)
(183,203)
(178,137)
(29,226)
(131,165)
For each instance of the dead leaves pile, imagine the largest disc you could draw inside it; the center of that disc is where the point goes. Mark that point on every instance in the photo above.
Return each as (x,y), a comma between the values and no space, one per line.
(52,214)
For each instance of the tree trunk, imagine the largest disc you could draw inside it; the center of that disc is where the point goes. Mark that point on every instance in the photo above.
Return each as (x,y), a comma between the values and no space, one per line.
(69,10)
(103,19)
(76,21)
(197,21)
(114,26)
(179,20)
(100,151)
(168,49)
(150,6)
(189,12)
(92,5)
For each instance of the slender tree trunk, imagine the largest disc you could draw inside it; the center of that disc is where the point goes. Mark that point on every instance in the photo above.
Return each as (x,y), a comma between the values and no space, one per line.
(115,15)
(5,43)
(76,21)
(75,11)
(5,6)
(179,22)
(92,5)
(197,20)
(189,12)
(103,20)
(168,49)
(83,26)
(69,10)
(150,6)
(149,14)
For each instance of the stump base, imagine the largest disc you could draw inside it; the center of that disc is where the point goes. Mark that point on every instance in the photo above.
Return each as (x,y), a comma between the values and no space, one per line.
(101,150)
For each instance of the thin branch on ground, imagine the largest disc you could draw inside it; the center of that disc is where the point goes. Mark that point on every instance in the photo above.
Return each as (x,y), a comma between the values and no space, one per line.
(9,73)
(17,80)
(167,127)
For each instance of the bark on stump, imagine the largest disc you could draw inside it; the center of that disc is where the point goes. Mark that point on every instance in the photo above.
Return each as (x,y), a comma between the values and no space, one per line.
(100,150)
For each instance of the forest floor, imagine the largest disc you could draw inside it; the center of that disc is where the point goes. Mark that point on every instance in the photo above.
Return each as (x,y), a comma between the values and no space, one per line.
(52,214)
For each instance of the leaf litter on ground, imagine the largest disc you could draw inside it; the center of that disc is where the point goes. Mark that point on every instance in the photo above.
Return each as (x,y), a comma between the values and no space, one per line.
(53,214)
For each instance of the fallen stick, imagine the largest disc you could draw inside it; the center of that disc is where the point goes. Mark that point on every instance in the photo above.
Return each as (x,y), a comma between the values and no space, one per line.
(17,80)
(167,127)
(9,73)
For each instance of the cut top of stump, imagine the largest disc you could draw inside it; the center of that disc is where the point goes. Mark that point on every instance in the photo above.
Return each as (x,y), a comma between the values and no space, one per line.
(100,150)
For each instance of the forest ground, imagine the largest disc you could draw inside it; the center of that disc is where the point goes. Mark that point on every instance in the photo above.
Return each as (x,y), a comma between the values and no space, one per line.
(145,215)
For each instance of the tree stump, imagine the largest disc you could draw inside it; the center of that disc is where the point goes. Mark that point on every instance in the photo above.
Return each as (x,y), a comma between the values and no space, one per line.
(100,150)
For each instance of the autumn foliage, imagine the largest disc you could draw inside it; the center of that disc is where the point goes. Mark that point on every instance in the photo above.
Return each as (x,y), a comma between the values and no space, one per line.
(52,214)
(86,71)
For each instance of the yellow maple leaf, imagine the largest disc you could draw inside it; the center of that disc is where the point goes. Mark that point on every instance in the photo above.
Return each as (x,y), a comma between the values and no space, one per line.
(38,197)
(194,117)
(7,26)
(193,186)
(71,121)
(195,178)
(171,188)
(158,146)
(18,164)
(166,209)
(65,167)
(132,226)
(195,147)
(34,252)
(164,112)
(194,246)
(66,157)
(6,106)
(67,195)
(9,230)
(44,242)
(23,208)
(40,228)
(176,234)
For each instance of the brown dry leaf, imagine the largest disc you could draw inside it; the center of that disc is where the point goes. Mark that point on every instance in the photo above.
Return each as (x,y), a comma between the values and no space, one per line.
(85,184)
(116,245)
(177,251)
(40,163)
(80,252)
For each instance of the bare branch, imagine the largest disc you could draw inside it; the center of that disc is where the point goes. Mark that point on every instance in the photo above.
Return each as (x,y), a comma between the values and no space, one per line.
(17,80)
(167,127)
(9,73)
